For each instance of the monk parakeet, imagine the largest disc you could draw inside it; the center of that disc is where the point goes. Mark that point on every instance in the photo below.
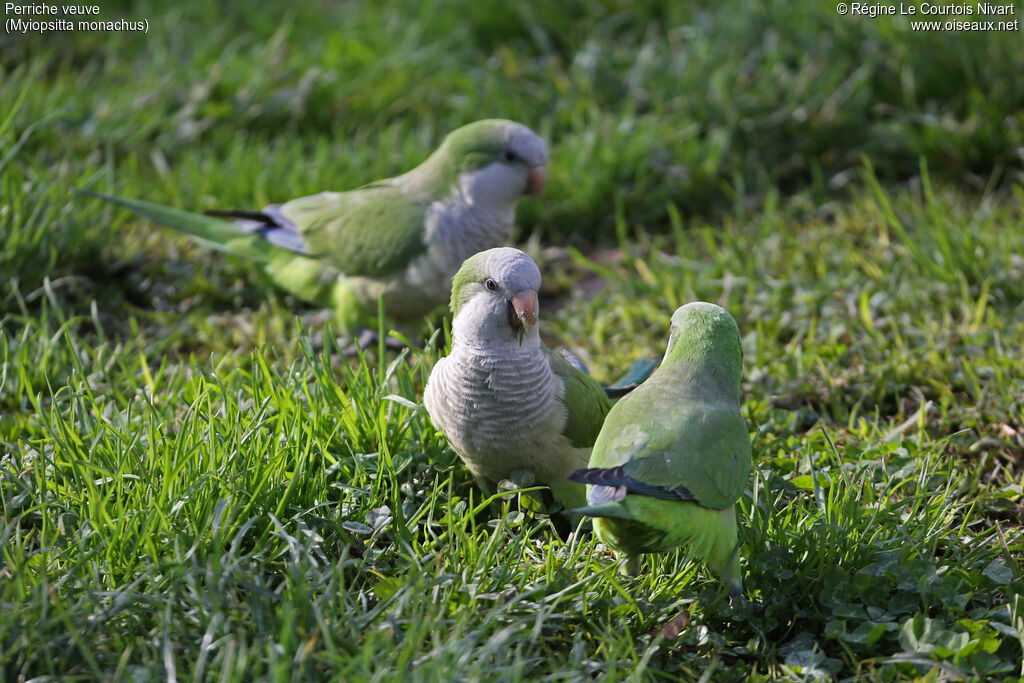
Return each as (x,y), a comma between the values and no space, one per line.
(401,238)
(673,456)
(503,399)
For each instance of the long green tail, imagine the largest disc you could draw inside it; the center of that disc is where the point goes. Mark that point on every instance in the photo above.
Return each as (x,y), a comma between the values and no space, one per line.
(305,277)
(212,232)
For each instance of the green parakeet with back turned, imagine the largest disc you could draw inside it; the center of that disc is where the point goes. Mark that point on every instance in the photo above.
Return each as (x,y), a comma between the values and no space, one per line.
(503,399)
(673,456)
(401,239)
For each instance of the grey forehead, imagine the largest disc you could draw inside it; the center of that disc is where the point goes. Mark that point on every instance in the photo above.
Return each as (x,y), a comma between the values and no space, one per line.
(513,268)
(528,146)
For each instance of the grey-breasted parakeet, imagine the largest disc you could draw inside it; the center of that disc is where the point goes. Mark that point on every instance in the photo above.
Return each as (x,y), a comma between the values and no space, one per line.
(503,399)
(402,238)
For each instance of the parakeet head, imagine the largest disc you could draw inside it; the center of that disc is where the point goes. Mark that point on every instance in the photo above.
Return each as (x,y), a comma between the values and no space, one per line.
(493,162)
(494,297)
(704,342)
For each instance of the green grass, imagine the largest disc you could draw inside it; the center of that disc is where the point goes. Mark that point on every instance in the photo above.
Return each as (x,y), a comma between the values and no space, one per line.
(194,485)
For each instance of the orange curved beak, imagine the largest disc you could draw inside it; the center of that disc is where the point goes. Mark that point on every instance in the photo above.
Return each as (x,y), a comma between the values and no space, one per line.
(536,180)
(524,305)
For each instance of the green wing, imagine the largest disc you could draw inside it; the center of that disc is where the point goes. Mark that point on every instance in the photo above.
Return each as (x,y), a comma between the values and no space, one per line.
(667,441)
(373,231)
(707,453)
(584,399)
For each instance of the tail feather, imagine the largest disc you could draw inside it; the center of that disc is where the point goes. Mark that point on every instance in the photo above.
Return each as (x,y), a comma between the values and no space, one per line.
(270,224)
(249,237)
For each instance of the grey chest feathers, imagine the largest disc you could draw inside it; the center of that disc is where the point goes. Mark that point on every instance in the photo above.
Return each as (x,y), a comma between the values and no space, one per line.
(499,413)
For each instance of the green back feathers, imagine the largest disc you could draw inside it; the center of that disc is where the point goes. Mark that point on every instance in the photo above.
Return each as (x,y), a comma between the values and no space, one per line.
(683,427)
(707,452)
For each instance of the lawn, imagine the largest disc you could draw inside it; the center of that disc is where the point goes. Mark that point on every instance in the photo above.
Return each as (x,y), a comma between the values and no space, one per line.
(195,485)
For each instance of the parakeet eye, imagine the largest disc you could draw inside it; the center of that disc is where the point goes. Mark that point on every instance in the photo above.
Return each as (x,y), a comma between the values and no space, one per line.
(509,156)
(490,284)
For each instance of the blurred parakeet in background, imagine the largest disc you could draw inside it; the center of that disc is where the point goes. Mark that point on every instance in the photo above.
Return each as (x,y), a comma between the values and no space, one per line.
(402,238)
(673,457)
(507,403)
